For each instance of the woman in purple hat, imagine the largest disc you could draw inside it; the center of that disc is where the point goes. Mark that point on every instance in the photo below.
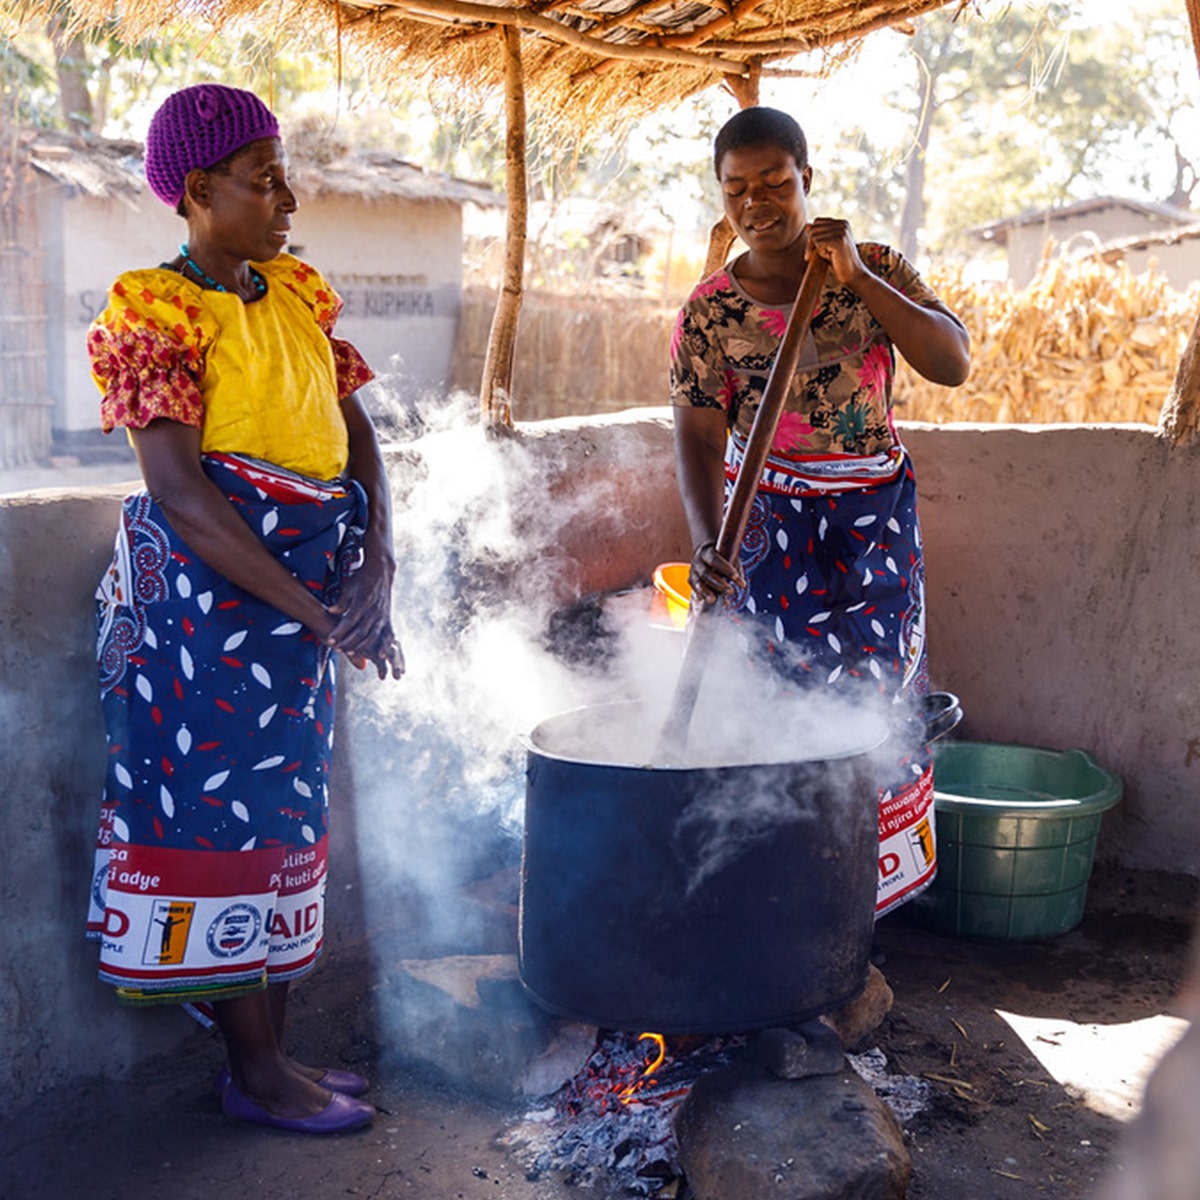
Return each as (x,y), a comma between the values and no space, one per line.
(258,548)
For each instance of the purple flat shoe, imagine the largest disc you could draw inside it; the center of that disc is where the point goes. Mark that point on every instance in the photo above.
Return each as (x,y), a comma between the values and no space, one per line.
(345,1082)
(340,1115)
(333,1080)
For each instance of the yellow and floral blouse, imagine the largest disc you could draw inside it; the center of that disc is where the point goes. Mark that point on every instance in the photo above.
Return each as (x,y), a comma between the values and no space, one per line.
(840,398)
(264,379)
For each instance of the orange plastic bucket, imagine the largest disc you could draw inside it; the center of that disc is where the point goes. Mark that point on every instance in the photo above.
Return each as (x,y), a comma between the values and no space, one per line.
(672,593)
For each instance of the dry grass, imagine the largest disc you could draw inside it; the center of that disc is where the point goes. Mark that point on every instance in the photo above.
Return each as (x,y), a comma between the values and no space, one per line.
(1083,342)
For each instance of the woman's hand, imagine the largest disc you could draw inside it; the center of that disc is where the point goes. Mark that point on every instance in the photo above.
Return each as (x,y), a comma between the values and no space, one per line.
(712,576)
(364,630)
(932,339)
(832,239)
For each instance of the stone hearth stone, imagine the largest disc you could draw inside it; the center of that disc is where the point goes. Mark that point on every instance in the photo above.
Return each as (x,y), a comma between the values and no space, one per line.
(812,1048)
(858,1019)
(743,1135)
(467,1017)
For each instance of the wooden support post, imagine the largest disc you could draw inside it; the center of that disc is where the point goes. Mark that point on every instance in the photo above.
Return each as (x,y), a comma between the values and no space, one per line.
(745,89)
(1179,420)
(1193,8)
(495,392)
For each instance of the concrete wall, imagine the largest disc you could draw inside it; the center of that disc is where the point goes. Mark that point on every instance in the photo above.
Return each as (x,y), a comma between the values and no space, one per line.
(1061,565)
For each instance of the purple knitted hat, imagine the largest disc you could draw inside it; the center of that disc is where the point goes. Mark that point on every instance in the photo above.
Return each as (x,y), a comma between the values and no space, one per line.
(197,127)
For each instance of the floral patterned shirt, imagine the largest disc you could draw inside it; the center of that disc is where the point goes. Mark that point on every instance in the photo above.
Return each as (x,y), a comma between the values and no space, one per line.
(264,379)
(840,398)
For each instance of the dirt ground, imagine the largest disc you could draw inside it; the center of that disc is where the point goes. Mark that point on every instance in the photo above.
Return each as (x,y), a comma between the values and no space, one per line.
(1000,1125)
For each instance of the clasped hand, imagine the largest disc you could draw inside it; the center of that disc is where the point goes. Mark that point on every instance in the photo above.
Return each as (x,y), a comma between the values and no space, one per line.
(363,631)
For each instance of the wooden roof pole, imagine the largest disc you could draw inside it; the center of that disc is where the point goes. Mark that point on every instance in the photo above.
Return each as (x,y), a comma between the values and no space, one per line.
(745,89)
(1179,421)
(495,392)
(1193,10)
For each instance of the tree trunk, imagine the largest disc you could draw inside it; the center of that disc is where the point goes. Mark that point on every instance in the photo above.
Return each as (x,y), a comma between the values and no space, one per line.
(70,66)
(912,216)
(495,393)
(745,89)
(1179,420)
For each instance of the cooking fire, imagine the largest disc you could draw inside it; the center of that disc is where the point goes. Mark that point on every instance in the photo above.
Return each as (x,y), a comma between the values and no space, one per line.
(612,1121)
(613,1124)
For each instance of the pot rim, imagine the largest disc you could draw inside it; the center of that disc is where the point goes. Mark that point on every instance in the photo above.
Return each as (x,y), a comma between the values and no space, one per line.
(884,733)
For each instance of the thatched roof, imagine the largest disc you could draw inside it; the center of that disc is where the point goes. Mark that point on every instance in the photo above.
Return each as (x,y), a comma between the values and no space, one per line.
(585,61)
(105,167)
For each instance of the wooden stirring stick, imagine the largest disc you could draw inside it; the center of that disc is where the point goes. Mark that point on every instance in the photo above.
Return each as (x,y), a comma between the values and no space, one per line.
(672,741)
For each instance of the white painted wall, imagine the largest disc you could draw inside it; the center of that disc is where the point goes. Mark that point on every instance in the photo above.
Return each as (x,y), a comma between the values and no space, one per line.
(1083,231)
(398,267)
(1178,263)
(99,239)
(397,264)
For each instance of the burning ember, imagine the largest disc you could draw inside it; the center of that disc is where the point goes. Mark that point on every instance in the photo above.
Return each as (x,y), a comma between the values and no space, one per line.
(627,1094)
(612,1121)
(612,1124)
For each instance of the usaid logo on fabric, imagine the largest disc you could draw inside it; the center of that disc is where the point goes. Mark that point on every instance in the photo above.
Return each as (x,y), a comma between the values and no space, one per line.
(100,885)
(234,930)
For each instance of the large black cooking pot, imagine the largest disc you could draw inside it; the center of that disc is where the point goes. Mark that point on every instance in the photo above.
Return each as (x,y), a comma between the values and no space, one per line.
(700,899)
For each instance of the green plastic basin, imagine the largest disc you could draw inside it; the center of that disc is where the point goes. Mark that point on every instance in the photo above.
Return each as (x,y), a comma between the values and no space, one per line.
(1016,838)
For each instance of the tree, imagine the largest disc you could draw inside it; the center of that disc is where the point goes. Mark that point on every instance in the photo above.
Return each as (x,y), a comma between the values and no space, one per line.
(1031,108)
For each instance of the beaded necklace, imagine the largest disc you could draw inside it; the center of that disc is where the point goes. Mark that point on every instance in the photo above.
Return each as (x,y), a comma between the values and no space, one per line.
(260,284)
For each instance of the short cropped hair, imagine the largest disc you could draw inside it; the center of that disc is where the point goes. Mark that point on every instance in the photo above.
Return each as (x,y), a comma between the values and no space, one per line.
(761,126)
